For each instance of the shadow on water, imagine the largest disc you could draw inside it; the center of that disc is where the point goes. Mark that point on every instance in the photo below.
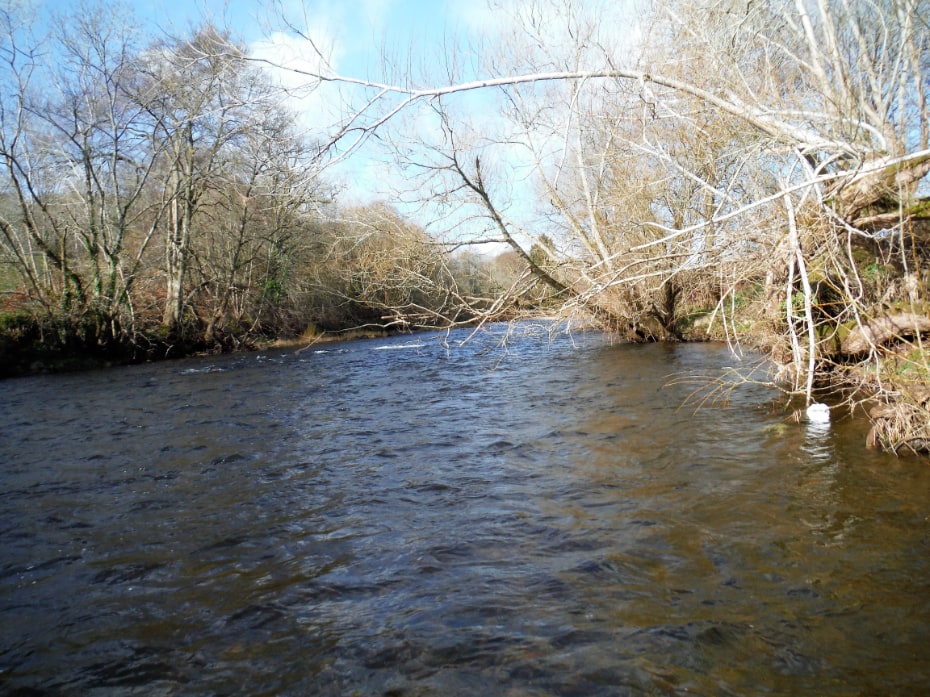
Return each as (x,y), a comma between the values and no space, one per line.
(405,516)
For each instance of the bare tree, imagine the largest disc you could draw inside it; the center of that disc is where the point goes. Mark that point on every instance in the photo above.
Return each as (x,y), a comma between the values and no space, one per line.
(76,166)
(769,141)
(382,270)
(183,87)
(112,152)
(243,257)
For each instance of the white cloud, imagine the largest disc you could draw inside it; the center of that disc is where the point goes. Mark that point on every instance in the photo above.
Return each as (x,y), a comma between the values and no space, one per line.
(291,62)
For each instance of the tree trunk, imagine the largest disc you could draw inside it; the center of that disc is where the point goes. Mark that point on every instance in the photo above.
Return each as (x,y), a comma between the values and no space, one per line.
(175,266)
(882,331)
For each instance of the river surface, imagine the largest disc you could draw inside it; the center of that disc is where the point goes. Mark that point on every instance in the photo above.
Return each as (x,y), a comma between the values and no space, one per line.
(409,516)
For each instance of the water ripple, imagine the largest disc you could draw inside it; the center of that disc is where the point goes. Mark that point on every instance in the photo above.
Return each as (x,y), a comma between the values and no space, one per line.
(404,516)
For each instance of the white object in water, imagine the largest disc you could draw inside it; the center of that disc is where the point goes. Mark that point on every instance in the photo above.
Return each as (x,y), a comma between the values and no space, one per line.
(818,413)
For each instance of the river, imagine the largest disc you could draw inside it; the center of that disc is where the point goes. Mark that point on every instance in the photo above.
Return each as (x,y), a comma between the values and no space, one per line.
(539,515)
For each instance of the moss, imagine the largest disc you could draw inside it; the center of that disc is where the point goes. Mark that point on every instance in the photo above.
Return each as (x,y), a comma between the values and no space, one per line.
(920,208)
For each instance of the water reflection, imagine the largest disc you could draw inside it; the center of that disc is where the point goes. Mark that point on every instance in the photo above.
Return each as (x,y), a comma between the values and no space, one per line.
(391,518)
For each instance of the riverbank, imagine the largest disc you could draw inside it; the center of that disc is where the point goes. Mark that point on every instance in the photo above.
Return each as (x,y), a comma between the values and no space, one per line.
(37,353)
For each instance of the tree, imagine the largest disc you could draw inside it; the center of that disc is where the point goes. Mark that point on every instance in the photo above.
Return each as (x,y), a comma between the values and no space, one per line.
(198,105)
(112,151)
(231,163)
(838,94)
(770,140)
(253,221)
(76,169)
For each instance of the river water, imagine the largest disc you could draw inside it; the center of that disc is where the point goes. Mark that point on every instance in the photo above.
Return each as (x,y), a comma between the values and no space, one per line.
(408,516)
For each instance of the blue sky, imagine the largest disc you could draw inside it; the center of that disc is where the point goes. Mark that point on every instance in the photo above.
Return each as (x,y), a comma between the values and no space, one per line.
(354,31)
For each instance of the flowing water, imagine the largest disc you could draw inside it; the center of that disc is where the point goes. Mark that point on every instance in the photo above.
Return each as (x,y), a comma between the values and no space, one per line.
(408,516)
